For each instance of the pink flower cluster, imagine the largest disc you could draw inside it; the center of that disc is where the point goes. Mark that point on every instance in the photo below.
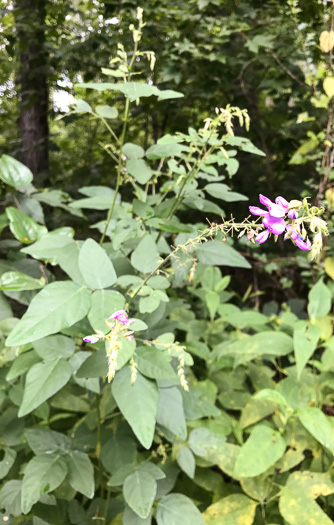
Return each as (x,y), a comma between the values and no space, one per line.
(274,222)
(121,317)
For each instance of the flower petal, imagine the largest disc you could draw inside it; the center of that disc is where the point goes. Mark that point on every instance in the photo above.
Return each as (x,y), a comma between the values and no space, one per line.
(264,200)
(301,244)
(281,201)
(292,214)
(274,224)
(257,211)
(276,210)
(120,315)
(91,339)
(262,237)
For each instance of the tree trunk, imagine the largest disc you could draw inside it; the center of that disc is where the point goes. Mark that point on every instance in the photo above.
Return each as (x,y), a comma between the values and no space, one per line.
(32,81)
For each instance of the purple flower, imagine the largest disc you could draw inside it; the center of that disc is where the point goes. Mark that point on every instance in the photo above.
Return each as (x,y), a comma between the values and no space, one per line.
(294,234)
(292,214)
(129,335)
(121,316)
(275,225)
(91,339)
(262,237)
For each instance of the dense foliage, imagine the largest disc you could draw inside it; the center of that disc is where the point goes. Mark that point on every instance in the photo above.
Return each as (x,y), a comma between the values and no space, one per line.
(158,366)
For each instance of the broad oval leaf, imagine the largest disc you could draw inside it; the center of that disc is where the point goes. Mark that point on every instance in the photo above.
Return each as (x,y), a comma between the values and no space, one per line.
(20,281)
(262,449)
(232,510)
(95,265)
(171,412)
(305,340)
(41,475)
(43,381)
(81,473)
(104,304)
(177,509)
(140,170)
(153,363)
(139,492)
(132,151)
(320,300)
(14,173)
(106,112)
(138,403)
(317,424)
(145,257)
(59,305)
(24,228)
(7,461)
(217,253)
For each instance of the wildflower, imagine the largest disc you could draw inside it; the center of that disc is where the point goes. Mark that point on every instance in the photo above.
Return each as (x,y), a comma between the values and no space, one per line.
(294,234)
(121,316)
(129,335)
(91,339)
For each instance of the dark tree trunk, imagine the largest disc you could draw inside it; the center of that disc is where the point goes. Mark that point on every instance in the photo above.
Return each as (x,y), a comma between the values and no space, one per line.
(32,84)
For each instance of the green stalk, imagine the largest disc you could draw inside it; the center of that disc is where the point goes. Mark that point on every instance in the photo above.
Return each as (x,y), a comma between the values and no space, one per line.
(120,144)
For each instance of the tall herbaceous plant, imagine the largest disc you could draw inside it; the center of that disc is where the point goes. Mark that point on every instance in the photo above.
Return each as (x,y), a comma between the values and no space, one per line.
(133,391)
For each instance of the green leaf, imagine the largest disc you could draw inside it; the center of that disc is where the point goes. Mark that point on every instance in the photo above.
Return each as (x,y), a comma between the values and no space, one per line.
(305,340)
(96,365)
(139,492)
(214,253)
(21,365)
(54,346)
(317,424)
(14,173)
(232,510)
(244,144)
(24,228)
(41,475)
(167,94)
(138,404)
(186,461)
(145,257)
(249,347)
(104,304)
(81,473)
(159,151)
(153,363)
(297,505)
(20,281)
(262,449)
(106,112)
(82,106)
(132,151)
(10,497)
(95,265)
(140,170)
(49,246)
(59,305)
(221,191)
(320,300)
(7,461)
(177,509)
(131,518)
(171,413)
(45,441)
(43,381)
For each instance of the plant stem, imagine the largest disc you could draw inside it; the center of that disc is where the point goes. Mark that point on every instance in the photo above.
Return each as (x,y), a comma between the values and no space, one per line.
(120,144)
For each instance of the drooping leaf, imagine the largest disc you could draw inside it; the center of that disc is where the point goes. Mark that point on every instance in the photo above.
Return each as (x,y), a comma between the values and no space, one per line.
(317,424)
(186,461)
(153,363)
(139,491)
(305,340)
(41,475)
(10,497)
(95,265)
(222,191)
(7,461)
(81,473)
(320,300)
(14,173)
(139,169)
(58,306)
(43,381)
(138,403)
(171,413)
(145,257)
(82,106)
